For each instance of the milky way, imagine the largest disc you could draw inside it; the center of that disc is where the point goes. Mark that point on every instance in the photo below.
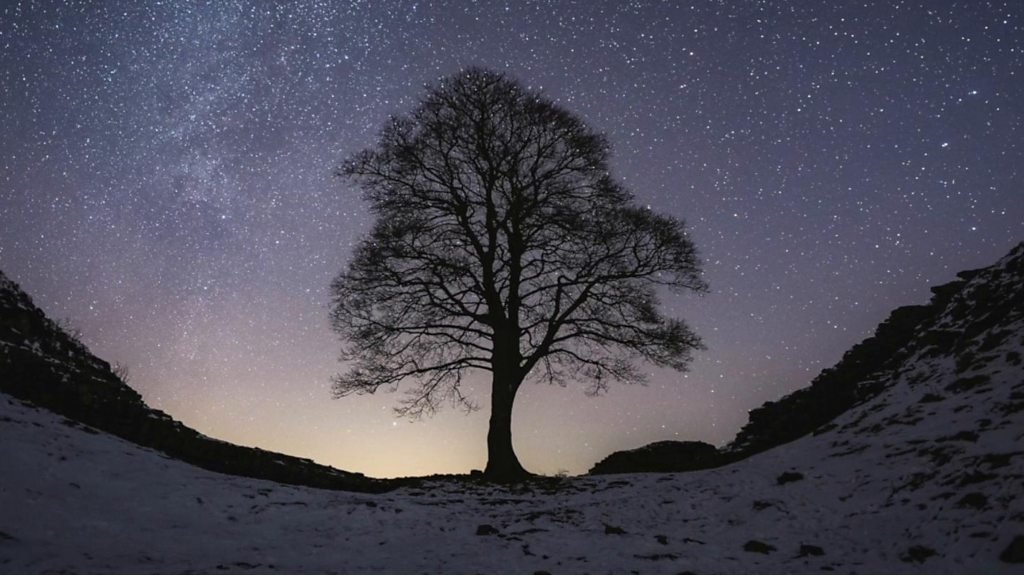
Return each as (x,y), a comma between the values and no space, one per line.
(166,184)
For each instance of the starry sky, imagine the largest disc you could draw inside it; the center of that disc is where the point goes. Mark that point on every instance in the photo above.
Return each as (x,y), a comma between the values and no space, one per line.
(166,185)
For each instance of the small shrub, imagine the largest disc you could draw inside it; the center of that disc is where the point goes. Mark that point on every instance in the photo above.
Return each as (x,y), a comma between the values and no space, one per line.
(121,371)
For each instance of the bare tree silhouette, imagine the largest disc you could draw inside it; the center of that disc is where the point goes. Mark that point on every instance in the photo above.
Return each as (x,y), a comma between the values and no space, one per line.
(502,244)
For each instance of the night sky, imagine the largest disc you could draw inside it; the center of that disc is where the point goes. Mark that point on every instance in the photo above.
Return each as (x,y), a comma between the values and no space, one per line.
(166,184)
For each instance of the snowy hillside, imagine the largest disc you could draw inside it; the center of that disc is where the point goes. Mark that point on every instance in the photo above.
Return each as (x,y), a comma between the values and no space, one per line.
(46,364)
(927,476)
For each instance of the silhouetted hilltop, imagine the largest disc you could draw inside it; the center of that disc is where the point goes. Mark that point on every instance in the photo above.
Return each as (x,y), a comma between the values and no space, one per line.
(835,390)
(981,301)
(42,363)
(666,456)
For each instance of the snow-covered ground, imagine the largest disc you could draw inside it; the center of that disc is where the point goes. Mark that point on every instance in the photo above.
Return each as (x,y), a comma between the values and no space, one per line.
(78,501)
(926,477)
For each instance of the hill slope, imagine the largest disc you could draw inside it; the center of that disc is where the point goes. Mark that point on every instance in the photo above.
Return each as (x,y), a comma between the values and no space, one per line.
(42,362)
(924,476)
(860,375)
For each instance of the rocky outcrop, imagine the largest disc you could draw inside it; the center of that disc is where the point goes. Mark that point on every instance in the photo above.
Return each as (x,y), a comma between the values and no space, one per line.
(839,388)
(984,301)
(44,364)
(865,368)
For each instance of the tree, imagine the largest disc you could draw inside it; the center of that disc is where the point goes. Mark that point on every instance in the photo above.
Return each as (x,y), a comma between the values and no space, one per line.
(502,244)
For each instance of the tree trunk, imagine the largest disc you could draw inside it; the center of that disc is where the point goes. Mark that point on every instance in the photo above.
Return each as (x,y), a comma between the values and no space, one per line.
(502,463)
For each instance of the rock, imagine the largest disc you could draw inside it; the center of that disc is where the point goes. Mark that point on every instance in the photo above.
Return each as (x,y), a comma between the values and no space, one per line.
(975,500)
(968,384)
(918,554)
(609,529)
(486,530)
(810,550)
(1014,552)
(758,547)
(787,477)
(657,557)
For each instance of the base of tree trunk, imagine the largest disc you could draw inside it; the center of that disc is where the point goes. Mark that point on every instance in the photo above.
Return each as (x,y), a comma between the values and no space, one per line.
(506,472)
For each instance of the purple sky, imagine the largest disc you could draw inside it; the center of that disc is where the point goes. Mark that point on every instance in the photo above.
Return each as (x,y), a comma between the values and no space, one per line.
(165,184)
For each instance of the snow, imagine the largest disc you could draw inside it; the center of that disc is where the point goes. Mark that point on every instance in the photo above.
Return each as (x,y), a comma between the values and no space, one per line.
(925,477)
(77,500)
